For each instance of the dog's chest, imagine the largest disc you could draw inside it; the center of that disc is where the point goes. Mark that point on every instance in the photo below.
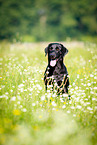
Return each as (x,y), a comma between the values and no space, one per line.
(58,73)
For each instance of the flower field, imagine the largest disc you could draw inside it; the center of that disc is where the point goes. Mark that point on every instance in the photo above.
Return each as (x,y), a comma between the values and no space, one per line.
(31,116)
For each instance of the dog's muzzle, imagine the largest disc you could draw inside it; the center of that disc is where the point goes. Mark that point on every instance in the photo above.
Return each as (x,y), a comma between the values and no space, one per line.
(53,60)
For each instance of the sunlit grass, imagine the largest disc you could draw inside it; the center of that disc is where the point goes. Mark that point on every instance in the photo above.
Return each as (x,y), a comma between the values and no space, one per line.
(30,115)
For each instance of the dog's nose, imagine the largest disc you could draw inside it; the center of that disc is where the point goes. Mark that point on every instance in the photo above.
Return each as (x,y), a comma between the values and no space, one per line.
(52,57)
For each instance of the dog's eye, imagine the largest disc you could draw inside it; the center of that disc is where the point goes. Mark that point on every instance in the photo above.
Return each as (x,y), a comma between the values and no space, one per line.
(50,48)
(57,48)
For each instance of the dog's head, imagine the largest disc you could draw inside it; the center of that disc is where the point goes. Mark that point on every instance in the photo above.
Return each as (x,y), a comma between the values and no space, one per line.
(55,51)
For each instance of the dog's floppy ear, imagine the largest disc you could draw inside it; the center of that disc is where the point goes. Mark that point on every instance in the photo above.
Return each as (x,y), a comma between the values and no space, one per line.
(46,51)
(47,48)
(64,50)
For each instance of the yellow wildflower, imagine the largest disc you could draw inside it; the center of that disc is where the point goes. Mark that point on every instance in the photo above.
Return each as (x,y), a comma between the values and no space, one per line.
(2,139)
(40,116)
(1,130)
(16,112)
(7,121)
(36,128)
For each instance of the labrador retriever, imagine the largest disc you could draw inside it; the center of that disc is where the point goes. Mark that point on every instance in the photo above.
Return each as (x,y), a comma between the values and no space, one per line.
(56,74)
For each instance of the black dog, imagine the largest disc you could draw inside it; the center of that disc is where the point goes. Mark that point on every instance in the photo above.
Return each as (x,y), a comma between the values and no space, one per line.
(56,72)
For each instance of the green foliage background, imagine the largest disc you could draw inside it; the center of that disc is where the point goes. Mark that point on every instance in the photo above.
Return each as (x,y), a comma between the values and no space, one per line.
(43,20)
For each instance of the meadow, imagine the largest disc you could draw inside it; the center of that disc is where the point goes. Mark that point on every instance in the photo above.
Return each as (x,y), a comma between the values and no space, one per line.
(31,116)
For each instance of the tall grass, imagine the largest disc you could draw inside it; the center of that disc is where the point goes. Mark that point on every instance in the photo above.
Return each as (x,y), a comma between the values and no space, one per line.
(31,116)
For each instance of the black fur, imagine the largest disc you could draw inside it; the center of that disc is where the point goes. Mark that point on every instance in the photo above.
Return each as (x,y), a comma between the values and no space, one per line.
(57,73)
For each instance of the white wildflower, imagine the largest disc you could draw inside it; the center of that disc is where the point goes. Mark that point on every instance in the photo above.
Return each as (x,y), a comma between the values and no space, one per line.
(74,115)
(76,87)
(25,70)
(95,116)
(88,103)
(38,92)
(1,59)
(21,89)
(53,103)
(89,84)
(72,90)
(96,107)
(92,92)
(63,106)
(70,102)
(38,86)
(93,99)
(42,98)
(86,99)
(61,99)
(19,98)
(82,102)
(20,73)
(1,97)
(65,95)
(87,88)
(37,102)
(78,107)
(53,108)
(73,84)
(72,107)
(47,72)
(73,96)
(24,110)
(68,111)
(48,91)
(77,99)
(40,105)
(33,104)
(50,86)
(13,98)
(15,105)
(91,75)
(18,102)
(54,95)
(89,108)
(95,88)
(21,85)
(30,89)
(31,81)
(91,112)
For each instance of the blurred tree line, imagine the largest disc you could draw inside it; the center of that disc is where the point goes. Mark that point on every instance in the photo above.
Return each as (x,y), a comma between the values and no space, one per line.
(47,20)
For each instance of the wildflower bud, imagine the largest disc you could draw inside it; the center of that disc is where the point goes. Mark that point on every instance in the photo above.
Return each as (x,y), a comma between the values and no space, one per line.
(47,72)
(65,95)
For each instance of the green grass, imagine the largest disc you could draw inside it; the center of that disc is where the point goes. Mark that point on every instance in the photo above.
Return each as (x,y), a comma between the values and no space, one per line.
(31,116)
